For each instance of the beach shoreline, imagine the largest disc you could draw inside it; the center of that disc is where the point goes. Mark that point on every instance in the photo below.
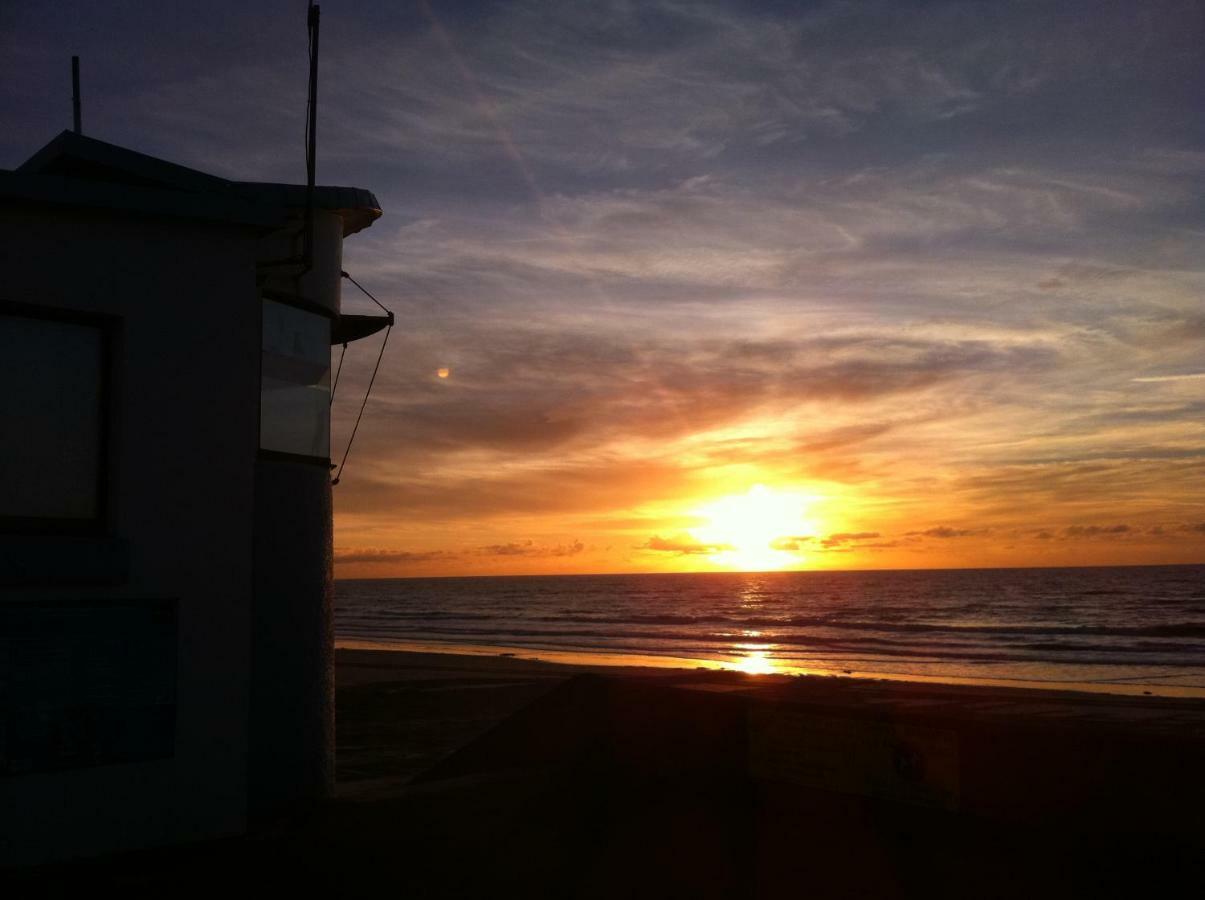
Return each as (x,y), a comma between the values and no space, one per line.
(387,656)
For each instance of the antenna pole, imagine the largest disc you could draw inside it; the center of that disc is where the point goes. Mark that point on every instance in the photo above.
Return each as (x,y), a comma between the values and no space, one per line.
(75,102)
(311,145)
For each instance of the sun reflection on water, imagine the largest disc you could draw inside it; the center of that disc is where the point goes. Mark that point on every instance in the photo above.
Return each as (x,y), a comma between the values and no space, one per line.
(756,662)
(752,592)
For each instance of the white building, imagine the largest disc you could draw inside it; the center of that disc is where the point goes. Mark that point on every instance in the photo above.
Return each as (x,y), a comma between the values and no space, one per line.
(165,502)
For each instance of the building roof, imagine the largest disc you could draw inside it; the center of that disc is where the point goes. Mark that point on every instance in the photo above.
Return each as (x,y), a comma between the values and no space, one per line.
(74,170)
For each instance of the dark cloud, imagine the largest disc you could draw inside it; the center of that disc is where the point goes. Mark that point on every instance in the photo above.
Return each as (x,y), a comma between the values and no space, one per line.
(794,542)
(1081,532)
(1088,531)
(372,555)
(682,545)
(945,531)
(509,549)
(530,548)
(527,548)
(840,538)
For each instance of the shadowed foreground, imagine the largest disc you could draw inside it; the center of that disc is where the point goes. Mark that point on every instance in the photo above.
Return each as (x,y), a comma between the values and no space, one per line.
(460,776)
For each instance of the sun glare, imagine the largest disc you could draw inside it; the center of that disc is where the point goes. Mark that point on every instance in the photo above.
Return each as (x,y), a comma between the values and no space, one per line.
(756,531)
(756,662)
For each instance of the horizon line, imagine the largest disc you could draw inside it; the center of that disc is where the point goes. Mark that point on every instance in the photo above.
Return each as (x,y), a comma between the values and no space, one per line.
(777,571)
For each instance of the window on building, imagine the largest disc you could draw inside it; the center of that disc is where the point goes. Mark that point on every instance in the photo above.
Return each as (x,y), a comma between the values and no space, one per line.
(52,420)
(295,386)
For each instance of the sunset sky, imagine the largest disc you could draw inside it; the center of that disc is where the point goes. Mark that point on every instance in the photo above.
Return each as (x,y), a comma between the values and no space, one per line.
(719,285)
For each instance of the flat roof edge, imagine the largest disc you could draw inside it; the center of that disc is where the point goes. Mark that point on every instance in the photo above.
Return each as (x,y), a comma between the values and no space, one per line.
(356,206)
(55,190)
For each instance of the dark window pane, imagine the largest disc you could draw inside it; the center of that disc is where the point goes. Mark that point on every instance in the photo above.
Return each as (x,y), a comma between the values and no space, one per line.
(50,453)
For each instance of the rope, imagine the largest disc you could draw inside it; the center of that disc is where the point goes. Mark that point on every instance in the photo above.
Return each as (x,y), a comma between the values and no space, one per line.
(360,415)
(338,369)
(369,295)
(376,368)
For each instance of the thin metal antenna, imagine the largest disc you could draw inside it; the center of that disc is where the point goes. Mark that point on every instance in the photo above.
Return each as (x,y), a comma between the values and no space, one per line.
(313,21)
(75,103)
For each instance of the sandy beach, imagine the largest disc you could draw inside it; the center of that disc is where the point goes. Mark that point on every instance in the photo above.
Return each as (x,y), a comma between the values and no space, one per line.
(448,694)
(401,712)
(466,774)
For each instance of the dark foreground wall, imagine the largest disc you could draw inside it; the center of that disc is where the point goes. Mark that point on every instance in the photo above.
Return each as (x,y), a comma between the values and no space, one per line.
(96,755)
(291,759)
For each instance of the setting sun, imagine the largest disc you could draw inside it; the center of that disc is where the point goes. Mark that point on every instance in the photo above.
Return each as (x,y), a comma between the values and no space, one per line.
(758,530)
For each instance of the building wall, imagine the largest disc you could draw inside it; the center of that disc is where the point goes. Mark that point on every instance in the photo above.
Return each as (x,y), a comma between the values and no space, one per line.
(184,441)
(292,737)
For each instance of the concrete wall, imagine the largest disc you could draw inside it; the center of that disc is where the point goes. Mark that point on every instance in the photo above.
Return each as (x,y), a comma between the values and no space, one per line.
(292,656)
(185,440)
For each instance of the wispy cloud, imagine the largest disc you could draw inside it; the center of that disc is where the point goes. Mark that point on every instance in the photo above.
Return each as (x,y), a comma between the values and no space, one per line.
(683,545)
(1192,376)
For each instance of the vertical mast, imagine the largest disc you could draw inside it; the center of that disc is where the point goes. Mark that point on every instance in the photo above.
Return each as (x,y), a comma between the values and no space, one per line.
(311,138)
(75,101)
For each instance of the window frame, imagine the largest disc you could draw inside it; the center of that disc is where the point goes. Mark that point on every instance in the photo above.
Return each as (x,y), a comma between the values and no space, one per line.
(107,327)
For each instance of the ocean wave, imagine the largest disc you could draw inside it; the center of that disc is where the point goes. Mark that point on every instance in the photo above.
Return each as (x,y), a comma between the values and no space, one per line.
(849,654)
(693,640)
(1078,619)
(1173,629)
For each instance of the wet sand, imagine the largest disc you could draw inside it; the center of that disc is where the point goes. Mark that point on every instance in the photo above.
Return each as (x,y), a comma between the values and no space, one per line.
(485,657)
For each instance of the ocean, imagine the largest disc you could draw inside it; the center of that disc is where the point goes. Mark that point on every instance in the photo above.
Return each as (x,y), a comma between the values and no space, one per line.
(1131,629)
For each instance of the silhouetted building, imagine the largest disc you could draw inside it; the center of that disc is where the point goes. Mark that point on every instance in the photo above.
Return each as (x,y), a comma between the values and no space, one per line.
(165,501)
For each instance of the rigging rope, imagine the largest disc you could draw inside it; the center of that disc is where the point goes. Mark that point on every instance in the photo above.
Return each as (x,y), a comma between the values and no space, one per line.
(376,368)
(369,295)
(338,369)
